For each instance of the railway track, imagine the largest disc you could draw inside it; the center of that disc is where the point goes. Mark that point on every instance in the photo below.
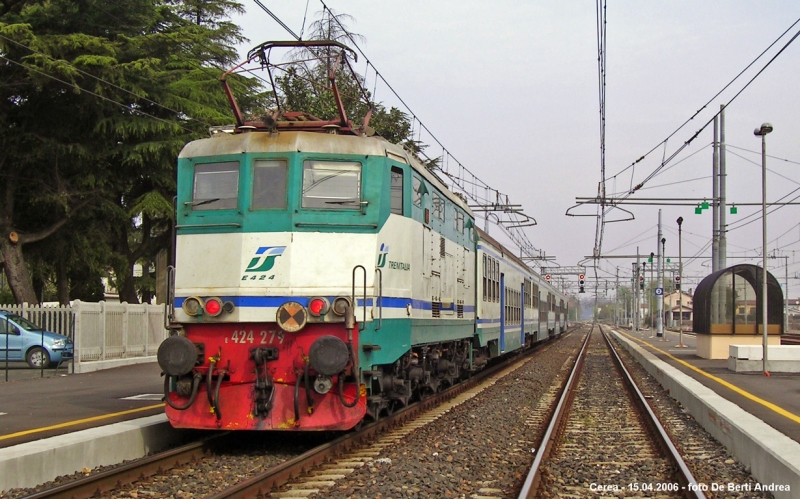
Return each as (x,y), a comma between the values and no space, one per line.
(604,439)
(790,339)
(319,468)
(314,469)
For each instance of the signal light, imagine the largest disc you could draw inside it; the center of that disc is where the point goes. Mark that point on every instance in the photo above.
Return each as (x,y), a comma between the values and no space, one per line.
(678,282)
(193,306)
(213,306)
(641,282)
(318,306)
(340,305)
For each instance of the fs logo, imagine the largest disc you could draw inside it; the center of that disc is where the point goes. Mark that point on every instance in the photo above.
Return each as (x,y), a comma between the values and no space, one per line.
(382,255)
(265,258)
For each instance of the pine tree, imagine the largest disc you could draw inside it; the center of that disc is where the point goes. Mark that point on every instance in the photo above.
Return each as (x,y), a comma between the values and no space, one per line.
(98,97)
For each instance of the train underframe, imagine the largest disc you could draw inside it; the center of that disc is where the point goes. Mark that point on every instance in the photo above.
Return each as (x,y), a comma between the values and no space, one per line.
(256,377)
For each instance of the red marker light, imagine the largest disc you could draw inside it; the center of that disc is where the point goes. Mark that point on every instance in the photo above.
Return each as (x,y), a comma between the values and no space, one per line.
(213,307)
(318,306)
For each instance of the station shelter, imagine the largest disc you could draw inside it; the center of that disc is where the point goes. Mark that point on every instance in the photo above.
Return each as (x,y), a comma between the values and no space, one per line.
(728,310)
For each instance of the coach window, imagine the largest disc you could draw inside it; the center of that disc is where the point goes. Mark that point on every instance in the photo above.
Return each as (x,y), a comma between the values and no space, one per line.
(332,184)
(269,184)
(216,186)
(397,190)
(485,280)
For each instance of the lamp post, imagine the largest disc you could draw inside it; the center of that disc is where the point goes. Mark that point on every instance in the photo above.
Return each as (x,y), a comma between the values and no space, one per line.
(652,290)
(762,132)
(680,291)
(660,298)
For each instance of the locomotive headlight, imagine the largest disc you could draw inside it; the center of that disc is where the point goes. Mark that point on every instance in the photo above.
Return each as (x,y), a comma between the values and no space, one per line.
(318,306)
(213,306)
(340,305)
(193,306)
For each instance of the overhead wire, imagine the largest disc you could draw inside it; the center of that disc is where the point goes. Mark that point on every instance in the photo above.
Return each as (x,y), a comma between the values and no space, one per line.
(278,19)
(519,237)
(601,28)
(78,87)
(145,99)
(768,155)
(720,93)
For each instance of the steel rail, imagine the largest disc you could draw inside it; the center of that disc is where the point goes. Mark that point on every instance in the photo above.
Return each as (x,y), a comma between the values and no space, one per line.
(531,483)
(261,485)
(790,339)
(685,477)
(97,485)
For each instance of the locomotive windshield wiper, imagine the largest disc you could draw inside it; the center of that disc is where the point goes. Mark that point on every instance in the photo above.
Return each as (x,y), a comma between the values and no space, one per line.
(347,202)
(198,203)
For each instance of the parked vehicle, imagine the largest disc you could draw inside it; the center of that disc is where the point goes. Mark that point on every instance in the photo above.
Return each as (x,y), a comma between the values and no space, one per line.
(22,340)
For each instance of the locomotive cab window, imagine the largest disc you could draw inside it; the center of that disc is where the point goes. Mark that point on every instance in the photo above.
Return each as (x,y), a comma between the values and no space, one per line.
(216,186)
(332,185)
(269,184)
(397,190)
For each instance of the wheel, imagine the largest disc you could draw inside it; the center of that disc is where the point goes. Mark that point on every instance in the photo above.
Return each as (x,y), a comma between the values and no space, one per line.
(38,358)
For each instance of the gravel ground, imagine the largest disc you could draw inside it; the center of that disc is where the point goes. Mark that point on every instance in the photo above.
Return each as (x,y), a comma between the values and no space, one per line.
(481,447)
(484,447)
(709,461)
(604,445)
(243,456)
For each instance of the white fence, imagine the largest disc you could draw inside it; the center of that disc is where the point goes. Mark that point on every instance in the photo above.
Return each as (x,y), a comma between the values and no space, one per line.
(105,334)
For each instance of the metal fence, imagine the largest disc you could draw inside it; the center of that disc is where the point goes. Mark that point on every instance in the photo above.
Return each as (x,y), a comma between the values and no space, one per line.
(105,334)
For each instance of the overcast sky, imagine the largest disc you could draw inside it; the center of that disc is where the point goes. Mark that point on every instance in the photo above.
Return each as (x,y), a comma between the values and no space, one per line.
(511,90)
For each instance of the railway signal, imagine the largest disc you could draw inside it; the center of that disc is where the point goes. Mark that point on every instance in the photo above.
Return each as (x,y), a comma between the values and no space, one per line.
(677,283)
(581,282)
(641,282)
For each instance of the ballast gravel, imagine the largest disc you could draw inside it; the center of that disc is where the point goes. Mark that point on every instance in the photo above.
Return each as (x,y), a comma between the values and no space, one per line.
(482,448)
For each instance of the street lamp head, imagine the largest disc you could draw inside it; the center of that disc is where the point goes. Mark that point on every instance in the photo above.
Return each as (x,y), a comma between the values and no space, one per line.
(680,221)
(765,129)
(663,240)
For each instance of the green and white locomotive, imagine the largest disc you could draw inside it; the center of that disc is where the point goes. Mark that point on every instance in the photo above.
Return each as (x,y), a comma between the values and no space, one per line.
(323,276)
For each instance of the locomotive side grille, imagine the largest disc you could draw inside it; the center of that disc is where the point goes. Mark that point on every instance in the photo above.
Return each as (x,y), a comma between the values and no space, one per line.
(460,311)
(436,307)
(441,247)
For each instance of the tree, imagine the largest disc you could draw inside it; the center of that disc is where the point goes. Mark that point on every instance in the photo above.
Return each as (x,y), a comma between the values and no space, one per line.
(98,98)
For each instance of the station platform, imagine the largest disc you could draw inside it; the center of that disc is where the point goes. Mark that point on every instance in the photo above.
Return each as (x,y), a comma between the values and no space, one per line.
(34,407)
(757,417)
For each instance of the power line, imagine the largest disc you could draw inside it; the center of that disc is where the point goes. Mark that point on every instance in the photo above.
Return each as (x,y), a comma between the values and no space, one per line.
(61,61)
(718,94)
(78,87)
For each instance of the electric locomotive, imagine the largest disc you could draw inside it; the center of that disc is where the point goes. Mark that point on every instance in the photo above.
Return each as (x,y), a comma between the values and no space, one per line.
(323,275)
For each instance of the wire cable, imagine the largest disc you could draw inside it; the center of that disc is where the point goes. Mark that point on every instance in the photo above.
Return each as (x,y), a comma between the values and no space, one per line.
(61,61)
(78,87)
